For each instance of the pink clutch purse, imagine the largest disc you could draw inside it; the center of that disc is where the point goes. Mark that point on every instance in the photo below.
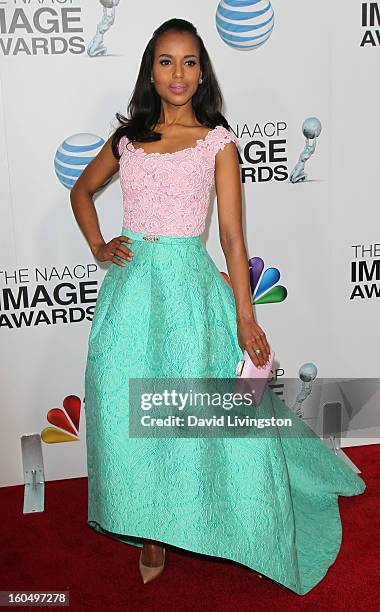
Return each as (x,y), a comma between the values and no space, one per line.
(256,377)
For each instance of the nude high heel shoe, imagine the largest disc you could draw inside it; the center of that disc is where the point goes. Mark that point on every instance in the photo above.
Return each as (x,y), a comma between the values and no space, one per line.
(148,572)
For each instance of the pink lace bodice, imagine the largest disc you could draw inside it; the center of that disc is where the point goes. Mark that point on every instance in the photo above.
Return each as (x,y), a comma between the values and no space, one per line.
(169,193)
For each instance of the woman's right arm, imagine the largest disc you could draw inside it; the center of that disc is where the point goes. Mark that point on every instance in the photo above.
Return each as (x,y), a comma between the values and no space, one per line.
(98,171)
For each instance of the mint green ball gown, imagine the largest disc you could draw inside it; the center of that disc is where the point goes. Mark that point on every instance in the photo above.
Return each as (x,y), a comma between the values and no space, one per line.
(270,503)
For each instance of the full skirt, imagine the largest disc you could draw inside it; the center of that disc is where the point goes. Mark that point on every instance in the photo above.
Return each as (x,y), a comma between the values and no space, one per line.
(268,502)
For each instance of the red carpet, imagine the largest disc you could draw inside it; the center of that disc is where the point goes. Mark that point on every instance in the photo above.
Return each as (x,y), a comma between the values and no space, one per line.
(56,550)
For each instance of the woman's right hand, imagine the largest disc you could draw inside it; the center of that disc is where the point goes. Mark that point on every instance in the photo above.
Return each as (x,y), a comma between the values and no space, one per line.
(108,250)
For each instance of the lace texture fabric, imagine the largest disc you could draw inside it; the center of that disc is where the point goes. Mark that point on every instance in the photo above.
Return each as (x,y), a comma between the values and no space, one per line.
(268,502)
(169,193)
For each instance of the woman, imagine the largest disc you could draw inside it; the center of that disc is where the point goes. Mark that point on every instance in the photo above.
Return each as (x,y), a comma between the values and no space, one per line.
(164,310)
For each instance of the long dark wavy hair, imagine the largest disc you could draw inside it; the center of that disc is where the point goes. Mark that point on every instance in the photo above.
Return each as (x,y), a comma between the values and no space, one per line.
(144,107)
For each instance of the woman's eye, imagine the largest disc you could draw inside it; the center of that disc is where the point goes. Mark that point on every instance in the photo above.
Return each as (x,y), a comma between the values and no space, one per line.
(192,62)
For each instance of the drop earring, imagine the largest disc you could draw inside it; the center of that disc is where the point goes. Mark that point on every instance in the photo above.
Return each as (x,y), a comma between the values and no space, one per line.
(200,80)
(151,79)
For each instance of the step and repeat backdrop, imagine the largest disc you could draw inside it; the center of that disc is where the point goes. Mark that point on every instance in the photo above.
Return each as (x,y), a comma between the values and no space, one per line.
(300,89)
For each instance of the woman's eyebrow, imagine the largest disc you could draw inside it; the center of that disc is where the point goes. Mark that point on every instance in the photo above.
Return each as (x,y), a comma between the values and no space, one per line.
(168,55)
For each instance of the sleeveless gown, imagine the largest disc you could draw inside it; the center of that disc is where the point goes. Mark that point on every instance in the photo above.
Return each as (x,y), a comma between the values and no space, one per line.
(270,503)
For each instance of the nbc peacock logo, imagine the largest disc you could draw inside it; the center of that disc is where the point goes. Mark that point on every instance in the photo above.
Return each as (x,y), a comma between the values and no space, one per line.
(264,286)
(264,283)
(65,422)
